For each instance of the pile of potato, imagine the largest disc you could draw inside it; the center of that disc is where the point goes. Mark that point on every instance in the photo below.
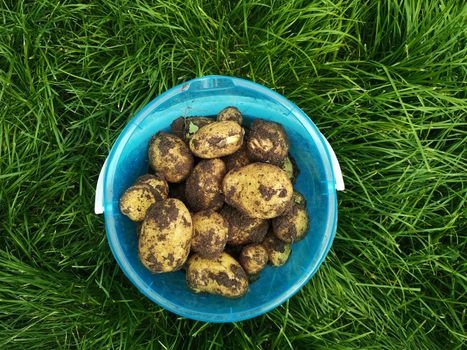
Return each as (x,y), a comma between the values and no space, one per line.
(220,203)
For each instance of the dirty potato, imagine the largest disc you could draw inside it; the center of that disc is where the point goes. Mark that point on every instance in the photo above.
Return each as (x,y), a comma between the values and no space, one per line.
(185,128)
(267,142)
(165,237)
(210,231)
(293,225)
(135,202)
(217,139)
(222,276)
(204,185)
(278,251)
(177,127)
(170,157)
(157,183)
(298,198)
(243,229)
(259,190)
(230,113)
(237,159)
(290,167)
(253,258)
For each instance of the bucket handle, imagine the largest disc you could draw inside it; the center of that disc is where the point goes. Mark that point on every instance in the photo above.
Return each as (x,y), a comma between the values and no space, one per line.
(339,179)
(99,200)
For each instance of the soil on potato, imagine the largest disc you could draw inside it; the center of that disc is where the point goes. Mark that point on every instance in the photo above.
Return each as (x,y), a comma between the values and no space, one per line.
(275,133)
(163,213)
(202,195)
(166,144)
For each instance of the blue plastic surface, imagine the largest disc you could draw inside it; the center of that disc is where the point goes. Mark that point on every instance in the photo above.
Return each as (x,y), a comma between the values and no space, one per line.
(128,160)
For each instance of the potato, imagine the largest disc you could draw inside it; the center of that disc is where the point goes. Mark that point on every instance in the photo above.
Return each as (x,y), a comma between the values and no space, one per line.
(157,183)
(278,251)
(135,202)
(293,225)
(210,231)
(259,190)
(267,142)
(185,128)
(170,157)
(217,139)
(290,167)
(237,159)
(253,258)
(177,127)
(204,186)
(222,276)
(230,113)
(165,237)
(243,229)
(298,198)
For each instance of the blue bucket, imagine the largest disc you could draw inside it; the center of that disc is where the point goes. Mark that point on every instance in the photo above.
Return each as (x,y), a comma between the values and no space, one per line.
(320,177)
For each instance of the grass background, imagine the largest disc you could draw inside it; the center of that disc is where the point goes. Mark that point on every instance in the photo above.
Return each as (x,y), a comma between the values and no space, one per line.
(383,80)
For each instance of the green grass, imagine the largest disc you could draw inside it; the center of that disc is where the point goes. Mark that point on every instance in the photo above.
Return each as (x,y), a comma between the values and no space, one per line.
(385,81)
